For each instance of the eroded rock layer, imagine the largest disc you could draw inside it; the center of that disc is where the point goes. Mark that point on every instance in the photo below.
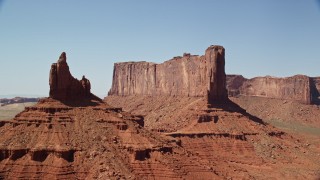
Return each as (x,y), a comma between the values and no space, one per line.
(189,75)
(299,88)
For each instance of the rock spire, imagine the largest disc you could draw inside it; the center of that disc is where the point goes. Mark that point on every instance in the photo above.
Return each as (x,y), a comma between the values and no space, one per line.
(63,86)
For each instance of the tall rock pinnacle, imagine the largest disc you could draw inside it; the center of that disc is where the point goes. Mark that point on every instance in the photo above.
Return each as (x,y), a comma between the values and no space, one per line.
(217,90)
(63,86)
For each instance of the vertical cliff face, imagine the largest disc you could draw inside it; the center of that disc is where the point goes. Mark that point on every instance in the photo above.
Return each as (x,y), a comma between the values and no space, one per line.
(63,86)
(133,78)
(188,75)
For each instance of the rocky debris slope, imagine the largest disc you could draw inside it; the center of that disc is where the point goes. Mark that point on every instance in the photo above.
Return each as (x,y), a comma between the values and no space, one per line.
(283,110)
(299,88)
(224,136)
(189,75)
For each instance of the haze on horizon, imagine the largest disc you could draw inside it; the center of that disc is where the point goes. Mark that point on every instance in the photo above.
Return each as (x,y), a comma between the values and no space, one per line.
(277,38)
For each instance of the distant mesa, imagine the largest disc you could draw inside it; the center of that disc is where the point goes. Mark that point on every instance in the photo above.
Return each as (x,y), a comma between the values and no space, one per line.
(7,101)
(63,86)
(190,75)
(298,88)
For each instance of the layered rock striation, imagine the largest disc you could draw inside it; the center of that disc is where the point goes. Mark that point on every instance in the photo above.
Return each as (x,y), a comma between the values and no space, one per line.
(63,86)
(189,75)
(299,88)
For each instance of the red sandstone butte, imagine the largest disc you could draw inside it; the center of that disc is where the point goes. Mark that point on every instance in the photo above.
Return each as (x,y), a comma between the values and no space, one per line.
(63,86)
(190,75)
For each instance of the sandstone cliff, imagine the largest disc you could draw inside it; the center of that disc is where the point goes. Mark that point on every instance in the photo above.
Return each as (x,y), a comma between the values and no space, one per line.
(189,75)
(63,86)
(299,88)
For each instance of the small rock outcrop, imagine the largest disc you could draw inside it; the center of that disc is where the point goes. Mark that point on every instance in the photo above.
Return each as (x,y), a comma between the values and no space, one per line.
(63,86)
(187,75)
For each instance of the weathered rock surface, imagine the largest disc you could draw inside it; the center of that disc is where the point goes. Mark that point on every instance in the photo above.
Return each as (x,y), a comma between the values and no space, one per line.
(63,86)
(189,75)
(299,88)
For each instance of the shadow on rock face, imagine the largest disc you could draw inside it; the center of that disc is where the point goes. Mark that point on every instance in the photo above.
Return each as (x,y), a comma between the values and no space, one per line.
(228,105)
(84,102)
(315,94)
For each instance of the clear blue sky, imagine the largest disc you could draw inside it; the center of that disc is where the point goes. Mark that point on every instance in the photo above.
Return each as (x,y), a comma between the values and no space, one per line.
(271,37)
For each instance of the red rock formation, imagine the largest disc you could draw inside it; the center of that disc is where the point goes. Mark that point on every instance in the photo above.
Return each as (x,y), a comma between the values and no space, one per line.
(92,140)
(63,86)
(88,140)
(174,98)
(189,75)
(299,88)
